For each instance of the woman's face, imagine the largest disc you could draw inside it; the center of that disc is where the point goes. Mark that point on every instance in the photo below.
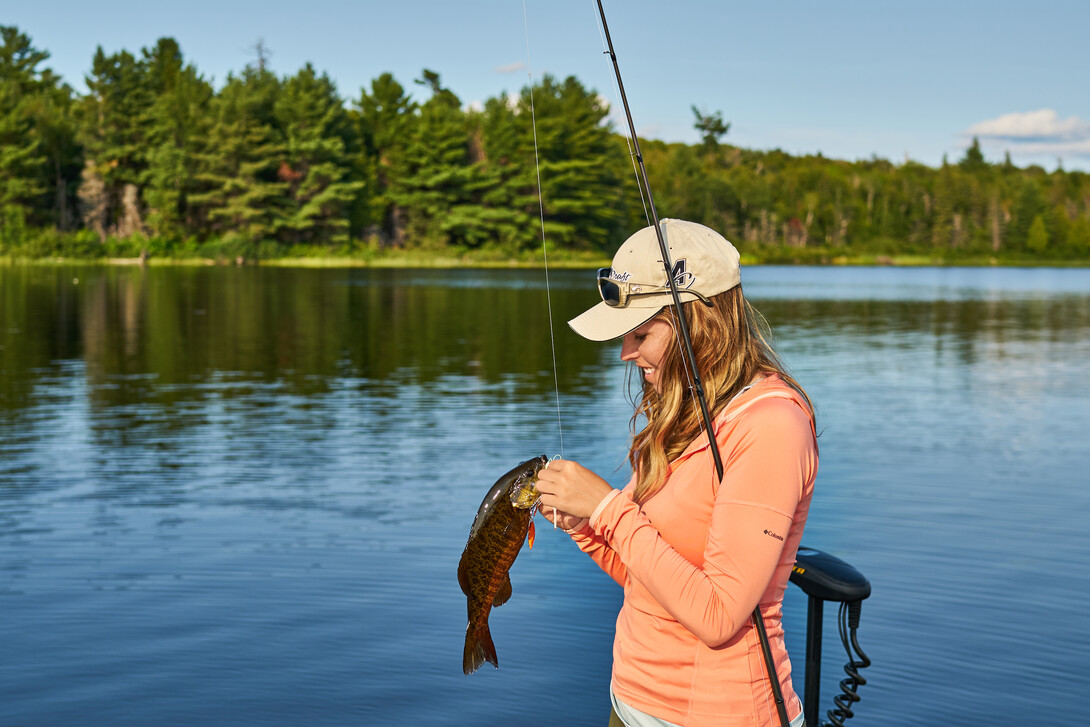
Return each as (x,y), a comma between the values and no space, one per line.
(646,346)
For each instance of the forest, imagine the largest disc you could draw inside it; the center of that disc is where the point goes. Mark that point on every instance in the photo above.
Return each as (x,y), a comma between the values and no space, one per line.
(154,161)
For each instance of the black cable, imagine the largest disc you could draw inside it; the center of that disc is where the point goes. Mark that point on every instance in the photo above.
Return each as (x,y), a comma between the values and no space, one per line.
(848,622)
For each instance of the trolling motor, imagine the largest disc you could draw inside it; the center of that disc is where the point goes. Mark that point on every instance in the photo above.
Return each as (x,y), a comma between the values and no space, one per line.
(825,577)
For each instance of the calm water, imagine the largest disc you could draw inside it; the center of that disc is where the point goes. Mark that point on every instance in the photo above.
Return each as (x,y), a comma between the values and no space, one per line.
(239,496)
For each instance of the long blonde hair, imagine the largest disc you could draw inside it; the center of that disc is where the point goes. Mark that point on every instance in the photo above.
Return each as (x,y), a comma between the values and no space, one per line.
(731,346)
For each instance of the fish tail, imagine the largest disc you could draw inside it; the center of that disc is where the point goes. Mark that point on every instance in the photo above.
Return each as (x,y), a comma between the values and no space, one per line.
(479,649)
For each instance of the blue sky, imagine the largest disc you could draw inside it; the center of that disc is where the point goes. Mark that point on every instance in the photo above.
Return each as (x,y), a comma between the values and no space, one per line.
(849,79)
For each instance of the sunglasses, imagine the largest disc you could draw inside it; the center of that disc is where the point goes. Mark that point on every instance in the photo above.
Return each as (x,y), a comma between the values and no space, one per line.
(616,293)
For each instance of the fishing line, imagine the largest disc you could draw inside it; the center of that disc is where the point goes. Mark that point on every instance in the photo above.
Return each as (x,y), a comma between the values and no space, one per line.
(555,458)
(541,216)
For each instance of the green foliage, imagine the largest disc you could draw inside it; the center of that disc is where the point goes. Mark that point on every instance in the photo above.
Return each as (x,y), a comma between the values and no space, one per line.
(1037,240)
(316,134)
(974,158)
(382,120)
(153,160)
(178,125)
(712,128)
(30,98)
(434,176)
(239,190)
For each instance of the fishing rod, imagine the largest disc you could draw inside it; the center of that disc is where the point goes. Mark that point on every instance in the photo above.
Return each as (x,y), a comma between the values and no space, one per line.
(683,328)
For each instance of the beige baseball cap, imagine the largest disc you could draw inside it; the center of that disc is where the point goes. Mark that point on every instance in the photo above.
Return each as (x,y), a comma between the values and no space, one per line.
(703,261)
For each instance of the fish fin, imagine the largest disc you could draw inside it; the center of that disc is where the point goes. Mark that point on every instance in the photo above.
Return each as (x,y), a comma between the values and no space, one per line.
(479,649)
(504,594)
(463,573)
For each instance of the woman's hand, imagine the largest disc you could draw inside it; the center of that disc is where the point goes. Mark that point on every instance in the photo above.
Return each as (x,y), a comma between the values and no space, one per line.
(562,520)
(572,489)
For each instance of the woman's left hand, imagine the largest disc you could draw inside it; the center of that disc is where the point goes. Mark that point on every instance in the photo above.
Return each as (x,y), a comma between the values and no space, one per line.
(571,488)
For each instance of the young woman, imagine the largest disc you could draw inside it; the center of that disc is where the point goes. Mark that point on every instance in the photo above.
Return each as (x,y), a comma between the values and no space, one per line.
(694,555)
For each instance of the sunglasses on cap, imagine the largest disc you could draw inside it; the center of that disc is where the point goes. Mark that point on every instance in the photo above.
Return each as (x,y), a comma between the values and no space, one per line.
(616,293)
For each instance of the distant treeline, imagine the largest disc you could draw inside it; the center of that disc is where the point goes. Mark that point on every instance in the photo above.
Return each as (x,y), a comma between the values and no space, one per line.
(155,160)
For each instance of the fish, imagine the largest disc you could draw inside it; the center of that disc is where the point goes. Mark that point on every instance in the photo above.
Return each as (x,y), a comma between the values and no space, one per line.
(503,521)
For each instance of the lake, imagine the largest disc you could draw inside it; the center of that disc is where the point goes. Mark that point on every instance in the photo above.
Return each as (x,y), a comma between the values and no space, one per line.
(238,496)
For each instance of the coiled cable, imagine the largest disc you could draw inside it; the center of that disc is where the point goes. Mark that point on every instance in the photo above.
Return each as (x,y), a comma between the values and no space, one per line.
(848,622)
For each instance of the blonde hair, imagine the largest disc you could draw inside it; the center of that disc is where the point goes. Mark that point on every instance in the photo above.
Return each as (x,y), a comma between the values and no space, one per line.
(731,346)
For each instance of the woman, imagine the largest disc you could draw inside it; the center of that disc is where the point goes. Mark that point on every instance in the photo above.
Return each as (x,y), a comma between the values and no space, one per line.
(695,555)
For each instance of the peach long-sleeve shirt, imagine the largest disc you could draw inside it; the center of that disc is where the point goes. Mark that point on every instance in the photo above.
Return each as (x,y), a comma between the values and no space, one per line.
(698,557)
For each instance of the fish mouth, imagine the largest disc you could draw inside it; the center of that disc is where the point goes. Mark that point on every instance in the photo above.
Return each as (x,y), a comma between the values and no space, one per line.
(524,493)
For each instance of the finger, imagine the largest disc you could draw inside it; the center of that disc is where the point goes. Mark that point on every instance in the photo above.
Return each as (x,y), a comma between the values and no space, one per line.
(559,465)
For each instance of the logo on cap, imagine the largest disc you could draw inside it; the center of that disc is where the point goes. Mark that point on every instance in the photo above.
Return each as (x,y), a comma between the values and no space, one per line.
(681,275)
(619,277)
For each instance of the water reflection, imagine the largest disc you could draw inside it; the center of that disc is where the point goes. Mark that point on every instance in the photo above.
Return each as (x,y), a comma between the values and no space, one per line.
(153,333)
(160,336)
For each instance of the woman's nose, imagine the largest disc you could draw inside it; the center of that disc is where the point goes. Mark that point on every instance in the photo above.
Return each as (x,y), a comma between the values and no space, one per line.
(629,349)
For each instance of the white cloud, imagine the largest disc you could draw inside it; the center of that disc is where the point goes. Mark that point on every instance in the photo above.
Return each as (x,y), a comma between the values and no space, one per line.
(511,68)
(1057,148)
(1035,125)
(1040,132)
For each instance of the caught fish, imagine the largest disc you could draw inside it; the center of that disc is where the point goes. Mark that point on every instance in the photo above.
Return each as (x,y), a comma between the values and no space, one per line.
(503,521)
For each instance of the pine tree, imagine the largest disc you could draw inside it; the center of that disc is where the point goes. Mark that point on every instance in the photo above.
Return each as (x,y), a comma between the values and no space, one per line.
(316,136)
(1037,239)
(435,181)
(384,120)
(974,158)
(580,165)
(179,121)
(712,128)
(115,125)
(239,191)
(1027,207)
(508,173)
(23,162)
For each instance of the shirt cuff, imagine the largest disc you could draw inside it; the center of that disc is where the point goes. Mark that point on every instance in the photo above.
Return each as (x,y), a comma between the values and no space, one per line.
(602,506)
(578,527)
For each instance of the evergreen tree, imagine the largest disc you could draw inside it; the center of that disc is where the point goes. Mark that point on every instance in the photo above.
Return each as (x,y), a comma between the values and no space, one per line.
(507,166)
(1037,239)
(52,111)
(115,121)
(384,120)
(1078,239)
(974,158)
(179,122)
(23,162)
(712,128)
(580,165)
(316,136)
(1027,207)
(240,190)
(434,185)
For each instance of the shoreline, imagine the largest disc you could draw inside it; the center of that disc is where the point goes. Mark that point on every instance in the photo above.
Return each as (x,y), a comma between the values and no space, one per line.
(442,262)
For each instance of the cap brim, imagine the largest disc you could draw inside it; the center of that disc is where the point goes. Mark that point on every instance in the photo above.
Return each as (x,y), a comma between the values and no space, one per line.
(605,322)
